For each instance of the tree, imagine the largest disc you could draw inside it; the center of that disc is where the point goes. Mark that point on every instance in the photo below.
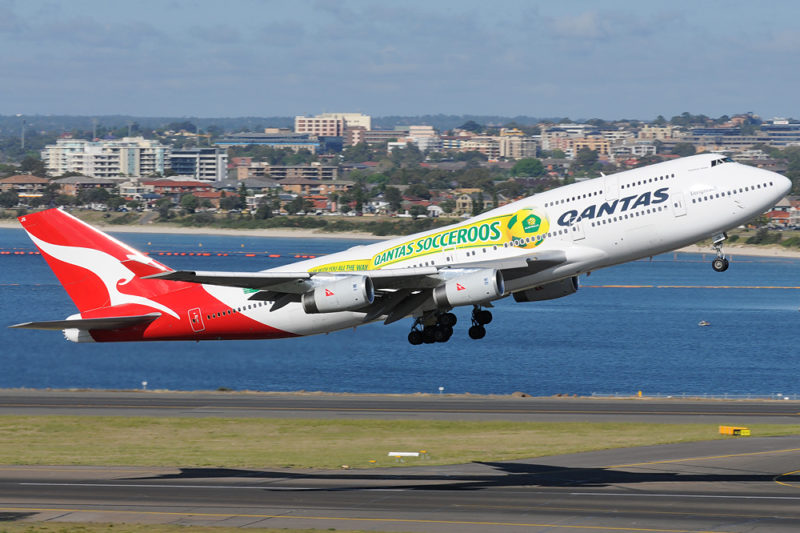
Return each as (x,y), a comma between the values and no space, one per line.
(9,199)
(296,205)
(189,202)
(528,167)
(447,206)
(33,165)
(683,149)
(472,126)
(394,197)
(263,212)
(229,202)
(419,190)
(162,206)
(585,158)
(477,204)
(558,154)
(358,153)
(242,196)
(185,125)
(417,210)
(114,201)
(93,195)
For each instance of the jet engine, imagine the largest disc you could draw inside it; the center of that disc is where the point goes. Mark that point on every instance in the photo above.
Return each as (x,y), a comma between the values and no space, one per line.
(339,294)
(548,291)
(472,288)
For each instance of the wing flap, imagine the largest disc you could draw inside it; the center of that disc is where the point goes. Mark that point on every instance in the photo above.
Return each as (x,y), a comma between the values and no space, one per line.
(114,322)
(296,282)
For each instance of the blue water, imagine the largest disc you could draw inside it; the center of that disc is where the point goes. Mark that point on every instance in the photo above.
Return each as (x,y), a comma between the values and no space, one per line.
(598,340)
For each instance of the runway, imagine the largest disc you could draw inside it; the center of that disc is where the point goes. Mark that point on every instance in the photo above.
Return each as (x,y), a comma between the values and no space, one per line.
(739,484)
(734,485)
(437,407)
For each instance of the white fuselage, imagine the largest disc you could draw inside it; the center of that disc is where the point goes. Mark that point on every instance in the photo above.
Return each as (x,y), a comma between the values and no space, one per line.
(595,224)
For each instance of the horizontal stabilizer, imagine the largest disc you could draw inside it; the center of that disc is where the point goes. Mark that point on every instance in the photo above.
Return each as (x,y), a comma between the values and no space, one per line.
(114,322)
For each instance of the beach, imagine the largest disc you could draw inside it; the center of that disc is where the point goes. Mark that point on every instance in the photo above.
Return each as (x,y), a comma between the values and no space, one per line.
(731,250)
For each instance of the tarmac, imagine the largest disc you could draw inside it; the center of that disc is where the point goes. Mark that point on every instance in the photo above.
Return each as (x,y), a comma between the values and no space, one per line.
(737,484)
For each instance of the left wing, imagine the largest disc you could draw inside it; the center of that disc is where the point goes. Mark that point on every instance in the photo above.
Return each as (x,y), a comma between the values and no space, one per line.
(300,282)
(400,291)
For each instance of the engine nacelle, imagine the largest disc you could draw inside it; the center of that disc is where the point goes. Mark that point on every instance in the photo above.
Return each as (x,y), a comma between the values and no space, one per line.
(549,291)
(339,294)
(472,288)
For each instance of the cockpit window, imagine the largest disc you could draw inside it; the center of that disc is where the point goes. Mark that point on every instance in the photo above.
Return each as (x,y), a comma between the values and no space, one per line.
(721,160)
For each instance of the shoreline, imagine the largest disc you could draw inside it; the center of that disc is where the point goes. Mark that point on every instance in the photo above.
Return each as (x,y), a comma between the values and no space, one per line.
(282,233)
(731,250)
(516,395)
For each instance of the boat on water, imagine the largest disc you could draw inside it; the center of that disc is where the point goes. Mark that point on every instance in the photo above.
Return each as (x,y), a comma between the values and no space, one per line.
(703,323)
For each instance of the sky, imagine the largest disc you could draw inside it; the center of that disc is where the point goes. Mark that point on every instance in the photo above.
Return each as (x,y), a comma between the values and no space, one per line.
(569,58)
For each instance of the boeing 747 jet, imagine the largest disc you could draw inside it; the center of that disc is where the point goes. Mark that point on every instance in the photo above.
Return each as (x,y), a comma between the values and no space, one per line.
(532,249)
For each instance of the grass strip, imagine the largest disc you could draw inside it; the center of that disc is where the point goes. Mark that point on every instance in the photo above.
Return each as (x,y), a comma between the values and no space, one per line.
(312,443)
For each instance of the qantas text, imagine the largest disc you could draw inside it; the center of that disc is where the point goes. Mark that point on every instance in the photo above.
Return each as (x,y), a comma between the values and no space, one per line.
(609,208)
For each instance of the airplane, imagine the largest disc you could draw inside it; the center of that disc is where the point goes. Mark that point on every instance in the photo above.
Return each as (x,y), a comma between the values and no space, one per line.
(533,249)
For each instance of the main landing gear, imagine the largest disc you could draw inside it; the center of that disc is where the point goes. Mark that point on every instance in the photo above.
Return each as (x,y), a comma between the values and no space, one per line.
(438,327)
(720,263)
(432,328)
(480,317)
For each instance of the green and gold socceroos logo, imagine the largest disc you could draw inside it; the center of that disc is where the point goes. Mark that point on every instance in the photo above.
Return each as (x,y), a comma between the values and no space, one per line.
(525,227)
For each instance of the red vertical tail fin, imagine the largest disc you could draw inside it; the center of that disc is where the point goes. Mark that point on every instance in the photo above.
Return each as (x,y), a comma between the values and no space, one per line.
(95,269)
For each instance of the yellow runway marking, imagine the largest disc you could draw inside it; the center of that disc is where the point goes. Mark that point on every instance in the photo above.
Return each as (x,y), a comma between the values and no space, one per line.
(354,519)
(687,459)
(607,511)
(784,483)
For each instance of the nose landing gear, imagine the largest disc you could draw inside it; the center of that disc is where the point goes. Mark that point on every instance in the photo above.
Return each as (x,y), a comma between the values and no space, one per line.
(720,263)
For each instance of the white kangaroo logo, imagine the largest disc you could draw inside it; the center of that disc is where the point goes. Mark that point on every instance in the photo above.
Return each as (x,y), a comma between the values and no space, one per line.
(107,267)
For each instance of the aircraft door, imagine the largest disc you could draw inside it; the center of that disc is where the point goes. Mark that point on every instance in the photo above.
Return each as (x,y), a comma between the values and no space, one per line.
(196,320)
(576,230)
(611,186)
(678,205)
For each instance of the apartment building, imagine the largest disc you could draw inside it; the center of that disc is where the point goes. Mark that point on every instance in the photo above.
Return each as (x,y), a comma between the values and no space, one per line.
(489,146)
(516,147)
(129,156)
(293,141)
(658,133)
(203,164)
(315,171)
(331,124)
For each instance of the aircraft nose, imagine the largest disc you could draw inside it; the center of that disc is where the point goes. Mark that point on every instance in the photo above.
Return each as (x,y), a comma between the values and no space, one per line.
(784,183)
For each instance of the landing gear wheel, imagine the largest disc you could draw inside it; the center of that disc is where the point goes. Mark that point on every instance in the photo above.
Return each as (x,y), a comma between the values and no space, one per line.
(448,319)
(477,332)
(429,335)
(720,264)
(483,317)
(442,333)
(415,337)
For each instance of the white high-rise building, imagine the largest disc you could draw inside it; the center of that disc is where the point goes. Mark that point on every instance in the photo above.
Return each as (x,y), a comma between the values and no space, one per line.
(331,124)
(130,156)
